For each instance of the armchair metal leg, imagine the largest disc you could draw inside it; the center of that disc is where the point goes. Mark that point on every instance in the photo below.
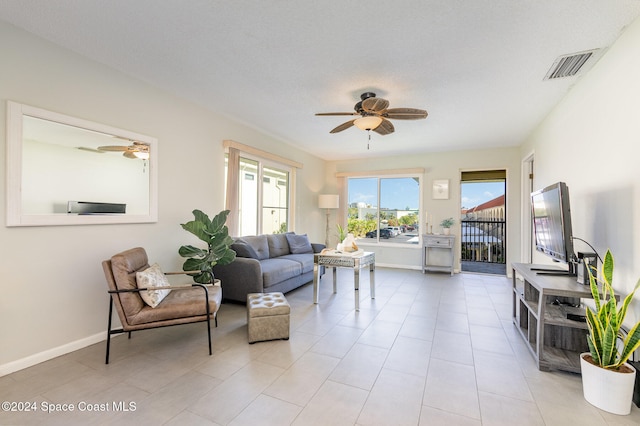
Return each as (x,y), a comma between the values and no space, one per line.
(209,320)
(208,312)
(109,329)
(110,332)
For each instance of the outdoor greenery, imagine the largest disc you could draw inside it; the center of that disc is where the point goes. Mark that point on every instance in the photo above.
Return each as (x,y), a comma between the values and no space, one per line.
(360,227)
(605,322)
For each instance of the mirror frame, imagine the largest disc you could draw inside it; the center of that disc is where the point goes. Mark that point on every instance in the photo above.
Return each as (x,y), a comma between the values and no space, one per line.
(15,216)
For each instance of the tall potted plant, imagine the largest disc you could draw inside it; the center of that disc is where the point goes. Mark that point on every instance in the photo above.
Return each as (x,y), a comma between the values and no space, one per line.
(215,233)
(607,378)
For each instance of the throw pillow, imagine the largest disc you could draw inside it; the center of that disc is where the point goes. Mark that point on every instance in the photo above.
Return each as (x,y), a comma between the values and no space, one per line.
(243,249)
(278,245)
(149,278)
(259,244)
(299,244)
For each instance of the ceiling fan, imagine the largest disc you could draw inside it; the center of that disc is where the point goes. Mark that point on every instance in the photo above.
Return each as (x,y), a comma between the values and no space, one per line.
(136,150)
(375,115)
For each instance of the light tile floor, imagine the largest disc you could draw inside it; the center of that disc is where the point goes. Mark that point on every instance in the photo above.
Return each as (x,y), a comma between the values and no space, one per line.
(429,350)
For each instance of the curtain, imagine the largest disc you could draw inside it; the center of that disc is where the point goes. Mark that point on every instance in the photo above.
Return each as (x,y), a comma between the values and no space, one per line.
(232,202)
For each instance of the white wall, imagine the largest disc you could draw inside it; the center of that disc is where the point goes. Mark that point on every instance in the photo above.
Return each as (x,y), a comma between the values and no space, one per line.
(442,165)
(591,140)
(52,290)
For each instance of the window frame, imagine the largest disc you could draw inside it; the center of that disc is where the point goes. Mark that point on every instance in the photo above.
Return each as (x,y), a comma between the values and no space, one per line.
(263,159)
(261,164)
(379,175)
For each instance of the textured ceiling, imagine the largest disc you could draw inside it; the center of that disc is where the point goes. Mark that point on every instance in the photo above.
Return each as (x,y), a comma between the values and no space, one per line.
(476,66)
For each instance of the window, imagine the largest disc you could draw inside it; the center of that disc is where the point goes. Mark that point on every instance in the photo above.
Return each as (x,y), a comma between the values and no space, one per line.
(384,209)
(275,200)
(262,209)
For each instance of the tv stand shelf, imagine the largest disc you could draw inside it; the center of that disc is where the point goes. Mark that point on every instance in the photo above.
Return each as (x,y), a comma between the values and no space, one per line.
(554,340)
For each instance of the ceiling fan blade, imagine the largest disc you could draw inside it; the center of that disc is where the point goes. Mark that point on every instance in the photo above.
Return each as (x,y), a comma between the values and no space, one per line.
(130,154)
(113,148)
(384,128)
(374,104)
(343,126)
(405,113)
(337,113)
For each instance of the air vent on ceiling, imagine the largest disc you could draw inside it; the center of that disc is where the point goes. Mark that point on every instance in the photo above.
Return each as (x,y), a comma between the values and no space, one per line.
(569,65)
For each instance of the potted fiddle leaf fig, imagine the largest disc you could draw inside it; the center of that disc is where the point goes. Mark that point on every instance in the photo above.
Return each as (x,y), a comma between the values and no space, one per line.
(607,378)
(215,234)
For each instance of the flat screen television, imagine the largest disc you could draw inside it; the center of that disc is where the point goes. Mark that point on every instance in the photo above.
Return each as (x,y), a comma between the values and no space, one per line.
(552,231)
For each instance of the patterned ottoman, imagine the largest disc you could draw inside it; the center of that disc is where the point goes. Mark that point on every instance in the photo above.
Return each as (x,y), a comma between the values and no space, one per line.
(267,317)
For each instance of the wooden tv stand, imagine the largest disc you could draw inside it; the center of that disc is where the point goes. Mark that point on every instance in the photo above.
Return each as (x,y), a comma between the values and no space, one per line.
(554,340)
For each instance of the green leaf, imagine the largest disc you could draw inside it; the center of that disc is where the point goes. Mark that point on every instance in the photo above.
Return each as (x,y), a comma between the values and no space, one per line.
(197,229)
(204,278)
(201,217)
(630,344)
(228,257)
(607,267)
(595,292)
(217,223)
(594,338)
(609,345)
(191,251)
(193,264)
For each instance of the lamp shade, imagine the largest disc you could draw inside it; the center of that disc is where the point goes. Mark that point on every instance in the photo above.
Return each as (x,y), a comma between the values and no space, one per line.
(328,201)
(369,122)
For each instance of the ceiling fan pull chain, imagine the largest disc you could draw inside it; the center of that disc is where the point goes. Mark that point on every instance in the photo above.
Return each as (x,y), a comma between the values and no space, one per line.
(369,141)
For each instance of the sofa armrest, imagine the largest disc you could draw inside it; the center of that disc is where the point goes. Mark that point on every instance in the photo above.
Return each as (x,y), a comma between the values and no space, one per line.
(240,277)
(317,247)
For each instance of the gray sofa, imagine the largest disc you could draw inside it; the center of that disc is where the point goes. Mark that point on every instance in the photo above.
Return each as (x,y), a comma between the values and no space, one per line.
(267,263)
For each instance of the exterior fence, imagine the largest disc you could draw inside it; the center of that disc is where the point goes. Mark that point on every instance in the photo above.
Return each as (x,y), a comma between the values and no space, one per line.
(483,241)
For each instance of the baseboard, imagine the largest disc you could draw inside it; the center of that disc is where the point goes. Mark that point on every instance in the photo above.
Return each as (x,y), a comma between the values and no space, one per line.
(34,359)
(410,267)
(398,266)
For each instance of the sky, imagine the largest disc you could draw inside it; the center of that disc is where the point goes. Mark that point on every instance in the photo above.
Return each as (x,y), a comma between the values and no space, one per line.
(475,193)
(399,193)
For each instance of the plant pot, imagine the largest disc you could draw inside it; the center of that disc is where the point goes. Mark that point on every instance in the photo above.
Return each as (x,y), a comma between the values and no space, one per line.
(605,389)
(446,231)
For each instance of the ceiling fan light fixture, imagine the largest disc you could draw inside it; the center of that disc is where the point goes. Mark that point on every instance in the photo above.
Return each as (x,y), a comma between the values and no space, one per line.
(369,122)
(143,155)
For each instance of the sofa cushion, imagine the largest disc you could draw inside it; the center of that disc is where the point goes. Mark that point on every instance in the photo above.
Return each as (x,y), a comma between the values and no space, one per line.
(277,270)
(149,278)
(304,259)
(259,244)
(299,244)
(278,245)
(243,249)
(180,304)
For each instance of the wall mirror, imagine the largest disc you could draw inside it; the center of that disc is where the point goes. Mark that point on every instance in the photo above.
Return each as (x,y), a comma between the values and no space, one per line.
(63,170)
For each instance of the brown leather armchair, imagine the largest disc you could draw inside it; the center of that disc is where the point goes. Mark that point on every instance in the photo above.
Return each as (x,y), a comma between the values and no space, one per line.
(183,305)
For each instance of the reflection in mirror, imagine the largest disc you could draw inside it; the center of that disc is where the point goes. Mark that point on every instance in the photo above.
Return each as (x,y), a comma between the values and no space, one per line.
(56,161)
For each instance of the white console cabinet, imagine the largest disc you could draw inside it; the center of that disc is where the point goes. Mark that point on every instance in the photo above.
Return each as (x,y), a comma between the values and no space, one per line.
(437,253)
